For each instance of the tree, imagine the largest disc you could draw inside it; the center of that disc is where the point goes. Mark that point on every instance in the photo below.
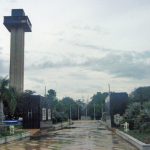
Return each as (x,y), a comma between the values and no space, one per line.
(51,97)
(8,97)
(69,104)
(140,94)
(81,107)
(28,92)
(138,110)
(10,103)
(3,93)
(146,109)
(97,103)
(21,98)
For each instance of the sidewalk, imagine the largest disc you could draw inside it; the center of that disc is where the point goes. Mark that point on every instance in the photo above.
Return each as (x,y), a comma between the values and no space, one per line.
(37,133)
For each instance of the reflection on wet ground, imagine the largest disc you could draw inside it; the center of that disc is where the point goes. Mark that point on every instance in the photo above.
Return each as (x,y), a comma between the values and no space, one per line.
(85,135)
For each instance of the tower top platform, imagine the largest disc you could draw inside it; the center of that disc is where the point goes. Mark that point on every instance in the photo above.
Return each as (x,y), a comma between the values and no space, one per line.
(17,19)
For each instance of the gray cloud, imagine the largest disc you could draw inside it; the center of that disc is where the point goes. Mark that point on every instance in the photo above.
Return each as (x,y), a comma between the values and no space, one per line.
(37,80)
(83,90)
(65,62)
(119,64)
(124,64)
(89,28)
(51,64)
(92,47)
(80,75)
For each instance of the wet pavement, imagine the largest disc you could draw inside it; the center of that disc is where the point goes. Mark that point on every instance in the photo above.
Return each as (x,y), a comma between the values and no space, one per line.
(84,135)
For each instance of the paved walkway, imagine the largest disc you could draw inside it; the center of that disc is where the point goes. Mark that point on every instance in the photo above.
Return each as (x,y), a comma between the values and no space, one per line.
(84,135)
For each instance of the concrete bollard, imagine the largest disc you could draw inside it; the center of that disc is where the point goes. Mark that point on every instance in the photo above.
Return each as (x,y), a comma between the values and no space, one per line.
(11,129)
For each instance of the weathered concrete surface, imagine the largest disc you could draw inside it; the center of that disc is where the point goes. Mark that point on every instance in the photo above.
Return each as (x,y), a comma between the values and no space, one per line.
(83,135)
(37,133)
(11,138)
(17,24)
(17,59)
(137,143)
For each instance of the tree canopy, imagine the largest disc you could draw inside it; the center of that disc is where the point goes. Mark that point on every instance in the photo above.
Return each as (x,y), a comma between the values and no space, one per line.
(97,101)
(8,96)
(141,94)
(138,110)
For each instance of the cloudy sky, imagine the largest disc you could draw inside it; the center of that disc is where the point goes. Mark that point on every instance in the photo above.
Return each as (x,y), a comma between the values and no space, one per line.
(77,47)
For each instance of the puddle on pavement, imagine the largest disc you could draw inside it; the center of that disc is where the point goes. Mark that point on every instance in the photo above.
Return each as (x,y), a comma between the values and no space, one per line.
(81,136)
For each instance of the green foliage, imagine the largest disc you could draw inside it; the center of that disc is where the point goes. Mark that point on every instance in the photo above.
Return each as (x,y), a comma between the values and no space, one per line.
(51,93)
(60,109)
(56,106)
(8,96)
(28,92)
(51,97)
(144,137)
(12,100)
(141,94)
(146,109)
(4,88)
(133,110)
(68,103)
(20,101)
(138,110)
(59,117)
(98,101)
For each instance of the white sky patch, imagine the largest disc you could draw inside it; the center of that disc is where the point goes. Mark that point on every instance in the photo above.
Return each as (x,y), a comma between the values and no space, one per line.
(68,34)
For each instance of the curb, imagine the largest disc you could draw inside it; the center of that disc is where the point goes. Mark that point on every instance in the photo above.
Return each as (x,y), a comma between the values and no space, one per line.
(60,126)
(140,145)
(20,136)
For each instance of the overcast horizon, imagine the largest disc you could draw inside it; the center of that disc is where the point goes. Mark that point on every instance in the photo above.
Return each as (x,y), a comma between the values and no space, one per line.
(78,47)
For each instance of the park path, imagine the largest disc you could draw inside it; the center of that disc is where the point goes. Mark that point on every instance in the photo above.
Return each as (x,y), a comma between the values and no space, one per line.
(84,135)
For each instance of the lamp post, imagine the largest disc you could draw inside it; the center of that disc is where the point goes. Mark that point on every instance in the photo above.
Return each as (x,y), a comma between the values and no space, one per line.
(86,112)
(70,116)
(1,110)
(78,112)
(102,112)
(87,107)
(94,111)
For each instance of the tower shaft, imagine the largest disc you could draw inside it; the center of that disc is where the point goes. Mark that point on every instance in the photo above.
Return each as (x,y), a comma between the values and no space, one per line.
(17,24)
(17,59)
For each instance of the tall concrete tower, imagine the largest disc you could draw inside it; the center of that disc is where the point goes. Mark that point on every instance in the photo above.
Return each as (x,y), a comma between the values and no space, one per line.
(17,24)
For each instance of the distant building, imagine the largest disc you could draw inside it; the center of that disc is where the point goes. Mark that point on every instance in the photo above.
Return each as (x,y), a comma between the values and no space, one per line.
(36,112)
(115,105)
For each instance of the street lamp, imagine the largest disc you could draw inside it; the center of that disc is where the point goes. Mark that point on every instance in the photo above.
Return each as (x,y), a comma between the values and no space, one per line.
(86,112)
(70,116)
(78,111)
(1,110)
(94,111)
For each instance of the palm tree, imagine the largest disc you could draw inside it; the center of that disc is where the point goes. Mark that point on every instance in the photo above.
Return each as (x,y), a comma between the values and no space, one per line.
(3,93)
(11,101)
(9,96)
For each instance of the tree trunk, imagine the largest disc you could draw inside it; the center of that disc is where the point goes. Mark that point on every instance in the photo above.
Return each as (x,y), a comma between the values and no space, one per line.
(1,112)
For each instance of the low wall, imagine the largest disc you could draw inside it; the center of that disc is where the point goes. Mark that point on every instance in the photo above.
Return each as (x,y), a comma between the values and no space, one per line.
(140,145)
(60,125)
(18,136)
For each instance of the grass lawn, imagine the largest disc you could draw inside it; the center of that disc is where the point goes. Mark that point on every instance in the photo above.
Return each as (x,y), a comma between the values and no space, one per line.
(7,133)
(144,137)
